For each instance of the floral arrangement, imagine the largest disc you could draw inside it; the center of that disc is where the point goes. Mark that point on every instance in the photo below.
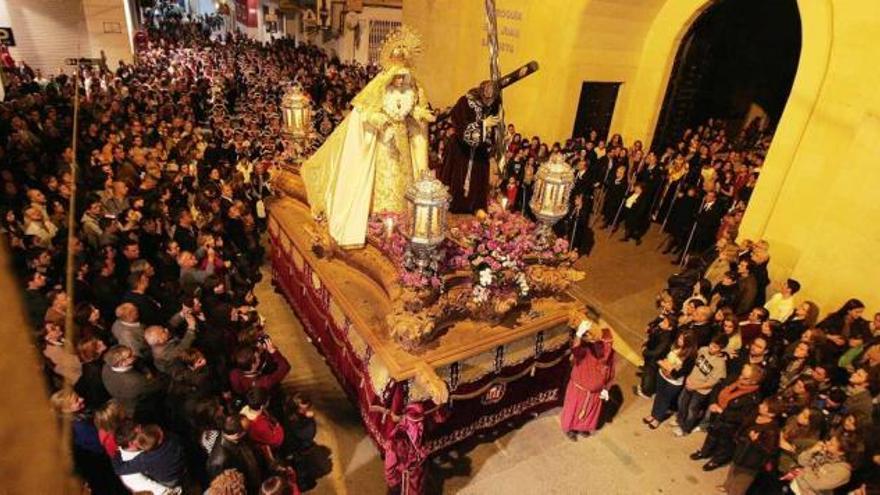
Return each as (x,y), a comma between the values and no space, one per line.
(487,266)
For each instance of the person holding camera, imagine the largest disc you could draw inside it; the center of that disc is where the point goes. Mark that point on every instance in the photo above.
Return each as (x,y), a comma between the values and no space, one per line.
(260,365)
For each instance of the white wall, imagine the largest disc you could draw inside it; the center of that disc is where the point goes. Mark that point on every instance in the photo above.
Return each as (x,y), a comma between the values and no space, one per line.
(49,31)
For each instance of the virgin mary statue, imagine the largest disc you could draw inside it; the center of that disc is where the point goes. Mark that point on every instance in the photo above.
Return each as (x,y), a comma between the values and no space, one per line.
(373,155)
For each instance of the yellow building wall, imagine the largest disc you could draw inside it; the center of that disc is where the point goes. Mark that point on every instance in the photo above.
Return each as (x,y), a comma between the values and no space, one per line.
(815,202)
(820,211)
(573,41)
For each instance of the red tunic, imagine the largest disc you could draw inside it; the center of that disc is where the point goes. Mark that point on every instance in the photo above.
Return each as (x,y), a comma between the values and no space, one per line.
(592,372)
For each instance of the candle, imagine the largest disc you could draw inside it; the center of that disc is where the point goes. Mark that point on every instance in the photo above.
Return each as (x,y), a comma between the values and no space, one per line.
(389,227)
(422,225)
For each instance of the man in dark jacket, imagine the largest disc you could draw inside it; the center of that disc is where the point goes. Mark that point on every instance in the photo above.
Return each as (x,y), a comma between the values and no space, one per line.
(158,455)
(736,403)
(636,214)
(575,227)
(746,289)
(234,452)
(135,390)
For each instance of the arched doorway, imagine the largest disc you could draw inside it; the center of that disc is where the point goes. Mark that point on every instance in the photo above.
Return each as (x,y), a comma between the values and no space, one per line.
(737,61)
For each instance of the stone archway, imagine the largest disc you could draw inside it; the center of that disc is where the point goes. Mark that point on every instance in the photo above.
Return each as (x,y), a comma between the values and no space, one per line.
(657,58)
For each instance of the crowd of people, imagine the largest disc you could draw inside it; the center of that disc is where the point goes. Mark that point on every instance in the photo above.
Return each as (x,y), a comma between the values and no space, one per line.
(696,188)
(170,380)
(787,400)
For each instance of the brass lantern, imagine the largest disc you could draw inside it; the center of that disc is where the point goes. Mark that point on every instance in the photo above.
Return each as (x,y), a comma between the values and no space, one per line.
(427,203)
(296,109)
(553,183)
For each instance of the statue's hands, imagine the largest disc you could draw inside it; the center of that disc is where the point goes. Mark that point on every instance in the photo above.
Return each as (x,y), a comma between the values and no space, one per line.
(491,121)
(378,120)
(388,135)
(422,114)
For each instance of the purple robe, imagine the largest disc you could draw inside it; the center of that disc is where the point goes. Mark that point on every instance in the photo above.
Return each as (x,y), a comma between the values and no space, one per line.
(592,372)
(468,149)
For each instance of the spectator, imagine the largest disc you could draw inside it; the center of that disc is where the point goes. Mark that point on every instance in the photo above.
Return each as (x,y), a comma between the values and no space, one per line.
(232,451)
(263,367)
(735,403)
(128,330)
(709,369)
(263,430)
(756,445)
(134,389)
(671,374)
(781,305)
(166,349)
(149,456)
(824,468)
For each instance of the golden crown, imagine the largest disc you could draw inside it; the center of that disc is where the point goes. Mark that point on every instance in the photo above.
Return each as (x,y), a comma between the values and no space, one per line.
(400,48)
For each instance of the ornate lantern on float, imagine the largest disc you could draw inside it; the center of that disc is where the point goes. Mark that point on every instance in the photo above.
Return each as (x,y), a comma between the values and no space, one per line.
(553,183)
(296,110)
(427,203)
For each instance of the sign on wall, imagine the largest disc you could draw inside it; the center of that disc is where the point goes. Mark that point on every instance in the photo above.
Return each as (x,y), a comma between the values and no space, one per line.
(6,36)
(246,12)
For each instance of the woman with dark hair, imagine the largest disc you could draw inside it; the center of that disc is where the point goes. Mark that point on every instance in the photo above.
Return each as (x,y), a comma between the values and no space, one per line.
(660,335)
(846,321)
(852,429)
(616,141)
(804,317)
(801,431)
(796,396)
(88,319)
(671,373)
(794,364)
(90,385)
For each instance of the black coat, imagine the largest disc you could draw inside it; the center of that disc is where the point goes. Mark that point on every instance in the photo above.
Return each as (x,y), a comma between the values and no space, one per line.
(657,346)
(681,217)
(755,454)
(614,195)
(90,385)
(708,221)
(165,463)
(636,217)
(240,456)
(575,228)
(739,410)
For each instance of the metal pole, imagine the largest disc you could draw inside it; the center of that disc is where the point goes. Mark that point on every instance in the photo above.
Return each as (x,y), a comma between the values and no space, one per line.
(69,329)
(671,205)
(687,247)
(619,209)
(599,198)
(495,73)
(668,212)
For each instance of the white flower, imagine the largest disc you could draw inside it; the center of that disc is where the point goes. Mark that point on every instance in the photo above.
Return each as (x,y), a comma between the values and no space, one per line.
(523,284)
(486,277)
(480,294)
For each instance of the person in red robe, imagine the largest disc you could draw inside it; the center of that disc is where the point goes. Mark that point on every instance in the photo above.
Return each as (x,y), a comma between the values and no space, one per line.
(591,373)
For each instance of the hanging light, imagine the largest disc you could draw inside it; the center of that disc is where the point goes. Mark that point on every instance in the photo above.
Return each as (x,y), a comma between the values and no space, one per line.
(427,203)
(553,183)
(296,110)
